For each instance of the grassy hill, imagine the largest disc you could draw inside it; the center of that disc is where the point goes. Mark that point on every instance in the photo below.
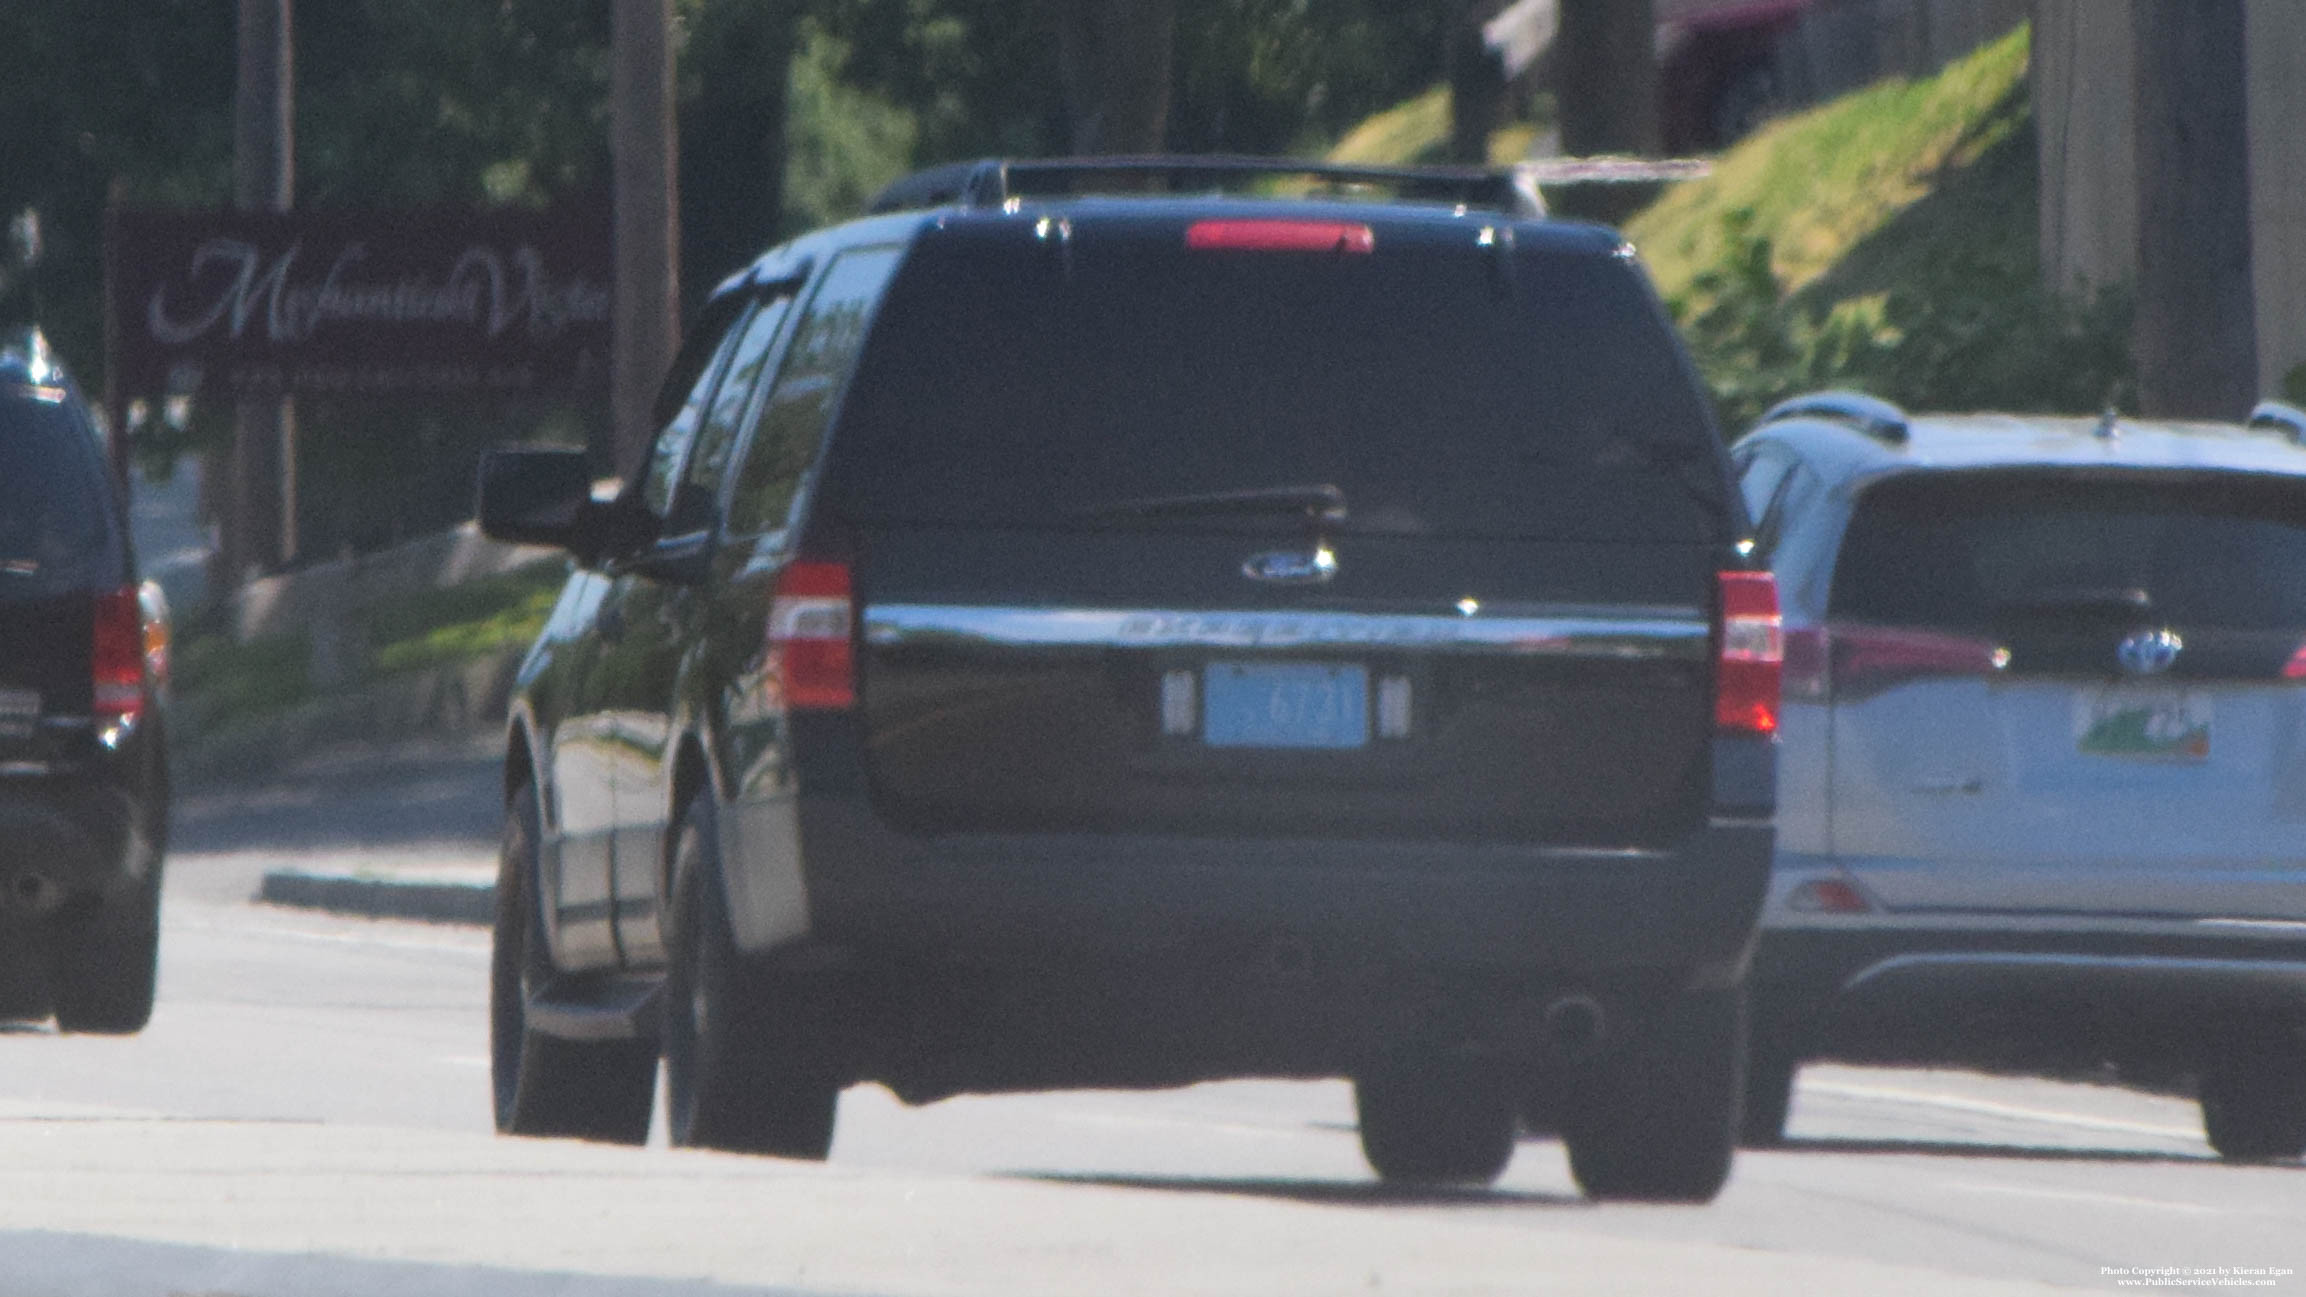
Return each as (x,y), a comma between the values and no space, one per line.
(1885,241)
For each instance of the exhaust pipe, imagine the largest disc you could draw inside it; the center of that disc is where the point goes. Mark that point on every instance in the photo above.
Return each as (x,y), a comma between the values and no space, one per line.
(1575,1026)
(30,892)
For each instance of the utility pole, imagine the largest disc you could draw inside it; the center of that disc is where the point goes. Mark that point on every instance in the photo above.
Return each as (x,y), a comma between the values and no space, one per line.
(2197,337)
(1114,59)
(259,529)
(642,154)
(1605,81)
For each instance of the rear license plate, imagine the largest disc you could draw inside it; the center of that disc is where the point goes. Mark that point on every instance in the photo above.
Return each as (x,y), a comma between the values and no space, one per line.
(1284,705)
(2143,725)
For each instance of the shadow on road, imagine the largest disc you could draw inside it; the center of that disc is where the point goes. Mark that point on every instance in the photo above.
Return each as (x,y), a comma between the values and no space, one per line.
(2016,1152)
(1328,1193)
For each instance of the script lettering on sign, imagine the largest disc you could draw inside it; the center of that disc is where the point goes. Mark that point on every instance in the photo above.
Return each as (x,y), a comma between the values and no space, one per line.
(385,303)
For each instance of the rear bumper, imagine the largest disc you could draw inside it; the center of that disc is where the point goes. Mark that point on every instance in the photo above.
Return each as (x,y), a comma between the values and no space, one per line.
(2008,992)
(62,836)
(1353,905)
(78,817)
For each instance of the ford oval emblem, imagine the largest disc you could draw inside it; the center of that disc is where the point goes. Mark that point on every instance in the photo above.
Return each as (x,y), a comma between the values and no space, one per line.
(1292,566)
(2149,652)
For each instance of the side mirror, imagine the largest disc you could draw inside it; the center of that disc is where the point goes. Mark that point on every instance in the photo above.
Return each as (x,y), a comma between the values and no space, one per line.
(535,496)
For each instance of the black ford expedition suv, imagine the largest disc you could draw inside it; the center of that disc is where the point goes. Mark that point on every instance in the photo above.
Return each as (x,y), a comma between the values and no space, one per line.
(83,657)
(1061,641)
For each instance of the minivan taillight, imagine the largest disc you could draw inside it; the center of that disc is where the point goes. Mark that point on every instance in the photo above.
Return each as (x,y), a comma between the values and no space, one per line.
(1752,655)
(1850,662)
(117,654)
(810,654)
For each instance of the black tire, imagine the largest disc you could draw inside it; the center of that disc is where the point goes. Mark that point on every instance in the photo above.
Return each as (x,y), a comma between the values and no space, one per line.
(1436,1121)
(1654,1118)
(105,961)
(1770,1071)
(2254,1102)
(742,1073)
(545,1086)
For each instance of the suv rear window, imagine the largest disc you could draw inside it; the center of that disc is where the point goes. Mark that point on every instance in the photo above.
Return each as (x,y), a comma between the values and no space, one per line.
(1973,551)
(1447,390)
(56,529)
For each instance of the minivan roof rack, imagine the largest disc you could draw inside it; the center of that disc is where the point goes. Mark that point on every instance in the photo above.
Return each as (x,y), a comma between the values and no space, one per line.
(991,182)
(2281,417)
(1872,415)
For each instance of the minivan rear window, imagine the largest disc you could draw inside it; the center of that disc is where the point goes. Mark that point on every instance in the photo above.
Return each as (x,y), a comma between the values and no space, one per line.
(1977,551)
(56,530)
(1446,389)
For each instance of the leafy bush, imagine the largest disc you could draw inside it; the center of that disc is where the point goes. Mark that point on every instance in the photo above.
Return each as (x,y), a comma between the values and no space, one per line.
(1968,335)
(463,622)
(216,677)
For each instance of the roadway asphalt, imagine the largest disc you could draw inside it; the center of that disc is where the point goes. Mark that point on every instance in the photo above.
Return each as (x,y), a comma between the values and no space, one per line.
(307,1116)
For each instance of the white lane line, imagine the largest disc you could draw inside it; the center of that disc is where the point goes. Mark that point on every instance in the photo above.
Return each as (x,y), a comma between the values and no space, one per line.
(1987,1108)
(2083,1196)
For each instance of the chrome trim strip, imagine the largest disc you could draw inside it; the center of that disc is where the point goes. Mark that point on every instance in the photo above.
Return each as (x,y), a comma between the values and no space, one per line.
(1641,634)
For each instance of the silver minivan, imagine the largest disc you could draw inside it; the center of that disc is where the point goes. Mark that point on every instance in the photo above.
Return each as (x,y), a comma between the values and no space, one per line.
(2042,799)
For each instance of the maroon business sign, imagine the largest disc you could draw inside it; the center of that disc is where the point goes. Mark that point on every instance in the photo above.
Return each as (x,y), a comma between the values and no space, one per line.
(452,303)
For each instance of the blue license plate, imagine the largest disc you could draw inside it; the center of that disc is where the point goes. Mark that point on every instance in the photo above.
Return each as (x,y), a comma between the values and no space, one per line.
(1284,705)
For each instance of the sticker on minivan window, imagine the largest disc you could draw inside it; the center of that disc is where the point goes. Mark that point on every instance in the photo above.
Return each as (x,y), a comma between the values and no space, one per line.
(2149,725)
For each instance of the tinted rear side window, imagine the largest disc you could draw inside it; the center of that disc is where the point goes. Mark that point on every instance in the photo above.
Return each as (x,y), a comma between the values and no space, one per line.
(1449,390)
(56,531)
(1977,551)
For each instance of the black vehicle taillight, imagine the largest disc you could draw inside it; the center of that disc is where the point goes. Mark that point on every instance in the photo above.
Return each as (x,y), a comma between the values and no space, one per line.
(810,653)
(1748,673)
(117,654)
(1265,235)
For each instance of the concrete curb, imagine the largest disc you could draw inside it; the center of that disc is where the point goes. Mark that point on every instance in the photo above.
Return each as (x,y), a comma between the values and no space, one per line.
(429,898)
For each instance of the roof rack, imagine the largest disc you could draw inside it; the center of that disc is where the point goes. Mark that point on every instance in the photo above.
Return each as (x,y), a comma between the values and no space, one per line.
(2280,417)
(1873,416)
(991,182)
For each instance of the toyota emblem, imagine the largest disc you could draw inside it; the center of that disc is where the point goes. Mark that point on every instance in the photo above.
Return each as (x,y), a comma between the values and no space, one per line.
(2150,652)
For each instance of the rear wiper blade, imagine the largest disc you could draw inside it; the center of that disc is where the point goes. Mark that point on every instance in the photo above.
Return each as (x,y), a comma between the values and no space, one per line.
(2081,599)
(1322,502)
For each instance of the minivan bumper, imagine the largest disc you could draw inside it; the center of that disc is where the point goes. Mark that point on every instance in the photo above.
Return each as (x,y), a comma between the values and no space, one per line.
(1937,990)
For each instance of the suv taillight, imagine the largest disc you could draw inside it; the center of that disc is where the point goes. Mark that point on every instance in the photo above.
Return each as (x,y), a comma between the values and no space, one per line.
(117,654)
(810,655)
(1753,654)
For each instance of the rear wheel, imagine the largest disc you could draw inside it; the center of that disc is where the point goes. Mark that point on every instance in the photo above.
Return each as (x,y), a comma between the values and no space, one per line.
(106,961)
(741,1070)
(1436,1121)
(2254,1102)
(598,1090)
(1654,1118)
